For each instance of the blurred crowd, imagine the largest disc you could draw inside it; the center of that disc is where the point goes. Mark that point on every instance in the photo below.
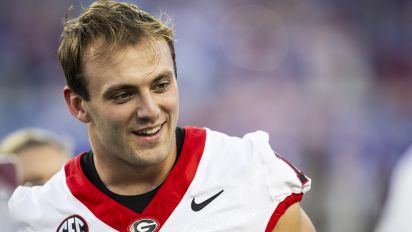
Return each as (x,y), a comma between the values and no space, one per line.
(329,80)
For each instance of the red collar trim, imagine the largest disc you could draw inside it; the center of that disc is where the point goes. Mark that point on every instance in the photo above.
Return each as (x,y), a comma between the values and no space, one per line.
(162,205)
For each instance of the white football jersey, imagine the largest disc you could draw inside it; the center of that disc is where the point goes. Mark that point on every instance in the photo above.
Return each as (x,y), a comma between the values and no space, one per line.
(219,183)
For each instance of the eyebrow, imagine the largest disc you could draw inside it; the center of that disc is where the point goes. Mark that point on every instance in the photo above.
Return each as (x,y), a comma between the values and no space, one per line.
(112,89)
(163,75)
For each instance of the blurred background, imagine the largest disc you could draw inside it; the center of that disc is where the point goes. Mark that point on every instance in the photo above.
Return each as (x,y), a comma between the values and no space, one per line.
(329,80)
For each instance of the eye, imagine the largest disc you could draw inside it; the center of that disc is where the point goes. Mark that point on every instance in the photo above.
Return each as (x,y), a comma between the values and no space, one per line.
(161,86)
(122,97)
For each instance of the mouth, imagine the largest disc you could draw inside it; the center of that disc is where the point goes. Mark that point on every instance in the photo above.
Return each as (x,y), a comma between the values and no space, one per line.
(149,132)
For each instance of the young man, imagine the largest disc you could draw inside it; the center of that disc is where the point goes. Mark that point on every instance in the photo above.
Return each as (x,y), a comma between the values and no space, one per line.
(144,173)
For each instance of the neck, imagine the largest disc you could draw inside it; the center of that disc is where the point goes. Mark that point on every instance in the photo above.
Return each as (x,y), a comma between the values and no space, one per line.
(124,178)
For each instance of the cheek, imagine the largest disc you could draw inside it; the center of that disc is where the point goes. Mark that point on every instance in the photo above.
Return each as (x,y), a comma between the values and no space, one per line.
(118,115)
(171,108)
(114,117)
(171,102)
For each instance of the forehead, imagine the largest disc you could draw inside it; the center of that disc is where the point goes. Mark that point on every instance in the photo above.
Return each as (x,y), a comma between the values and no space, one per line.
(144,57)
(39,163)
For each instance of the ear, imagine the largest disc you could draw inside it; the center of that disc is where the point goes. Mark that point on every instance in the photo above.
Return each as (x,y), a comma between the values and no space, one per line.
(75,104)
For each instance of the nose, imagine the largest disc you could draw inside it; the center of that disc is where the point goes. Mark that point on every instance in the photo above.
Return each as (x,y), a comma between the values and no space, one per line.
(148,110)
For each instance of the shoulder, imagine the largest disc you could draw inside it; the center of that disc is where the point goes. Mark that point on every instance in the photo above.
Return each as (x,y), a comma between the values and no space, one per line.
(38,200)
(251,144)
(237,152)
(254,178)
(253,153)
(248,145)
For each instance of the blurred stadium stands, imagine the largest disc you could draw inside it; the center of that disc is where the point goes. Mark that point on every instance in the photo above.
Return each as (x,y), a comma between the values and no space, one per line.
(330,80)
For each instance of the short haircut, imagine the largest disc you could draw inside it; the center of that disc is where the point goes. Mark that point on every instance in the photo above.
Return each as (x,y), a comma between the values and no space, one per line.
(27,138)
(116,25)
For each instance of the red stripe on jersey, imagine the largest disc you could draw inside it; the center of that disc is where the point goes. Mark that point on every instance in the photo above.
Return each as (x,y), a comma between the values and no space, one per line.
(162,205)
(302,178)
(281,209)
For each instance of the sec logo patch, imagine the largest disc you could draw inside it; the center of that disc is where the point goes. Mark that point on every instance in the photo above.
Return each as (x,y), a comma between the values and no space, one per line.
(144,225)
(73,223)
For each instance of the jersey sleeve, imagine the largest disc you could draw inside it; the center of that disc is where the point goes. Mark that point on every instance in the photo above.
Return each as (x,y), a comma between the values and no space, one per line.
(34,208)
(18,205)
(285,183)
(283,180)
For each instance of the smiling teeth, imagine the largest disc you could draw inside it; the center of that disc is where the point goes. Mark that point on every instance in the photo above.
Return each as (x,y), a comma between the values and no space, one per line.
(149,131)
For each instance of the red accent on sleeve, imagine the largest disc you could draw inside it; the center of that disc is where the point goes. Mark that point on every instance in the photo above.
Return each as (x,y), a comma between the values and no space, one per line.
(281,209)
(303,179)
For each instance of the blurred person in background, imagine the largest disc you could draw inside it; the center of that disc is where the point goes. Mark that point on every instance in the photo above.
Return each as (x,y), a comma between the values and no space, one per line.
(39,154)
(8,182)
(29,157)
(144,173)
(396,211)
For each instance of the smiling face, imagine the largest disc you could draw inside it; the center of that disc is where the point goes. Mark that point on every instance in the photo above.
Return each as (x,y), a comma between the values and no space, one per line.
(133,108)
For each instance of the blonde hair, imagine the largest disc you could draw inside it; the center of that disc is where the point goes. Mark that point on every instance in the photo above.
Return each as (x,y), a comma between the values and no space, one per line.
(117,25)
(27,138)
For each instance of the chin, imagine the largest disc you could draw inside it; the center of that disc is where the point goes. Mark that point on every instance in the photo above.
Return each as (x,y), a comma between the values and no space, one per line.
(150,157)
